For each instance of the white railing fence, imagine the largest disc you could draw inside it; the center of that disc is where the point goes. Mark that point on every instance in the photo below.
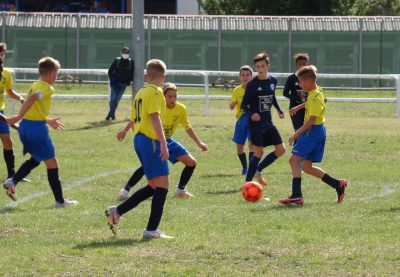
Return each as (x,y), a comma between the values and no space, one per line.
(206,74)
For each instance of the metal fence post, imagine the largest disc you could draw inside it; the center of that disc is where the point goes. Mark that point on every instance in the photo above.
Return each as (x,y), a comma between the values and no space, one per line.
(290,43)
(397,78)
(219,42)
(78,39)
(206,95)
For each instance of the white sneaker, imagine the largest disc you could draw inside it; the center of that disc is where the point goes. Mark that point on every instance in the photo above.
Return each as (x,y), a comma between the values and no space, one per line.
(123,194)
(155,234)
(113,218)
(10,189)
(182,193)
(67,203)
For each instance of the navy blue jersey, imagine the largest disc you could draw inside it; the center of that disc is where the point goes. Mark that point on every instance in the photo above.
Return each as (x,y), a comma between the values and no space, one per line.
(293,91)
(259,98)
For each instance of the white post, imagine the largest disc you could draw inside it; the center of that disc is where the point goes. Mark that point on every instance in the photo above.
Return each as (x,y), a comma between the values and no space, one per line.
(398,94)
(138,44)
(206,95)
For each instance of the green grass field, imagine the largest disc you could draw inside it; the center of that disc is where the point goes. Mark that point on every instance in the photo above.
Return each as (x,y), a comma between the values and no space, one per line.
(216,233)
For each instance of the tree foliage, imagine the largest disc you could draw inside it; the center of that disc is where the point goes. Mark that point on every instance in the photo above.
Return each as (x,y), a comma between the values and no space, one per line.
(301,7)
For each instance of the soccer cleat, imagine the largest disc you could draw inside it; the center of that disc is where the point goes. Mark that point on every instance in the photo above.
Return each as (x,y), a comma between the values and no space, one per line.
(244,170)
(67,203)
(292,200)
(123,194)
(340,191)
(260,179)
(155,234)
(10,189)
(113,218)
(182,193)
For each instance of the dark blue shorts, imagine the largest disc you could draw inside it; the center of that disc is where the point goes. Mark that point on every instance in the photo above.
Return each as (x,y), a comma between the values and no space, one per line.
(242,131)
(36,140)
(311,144)
(148,151)
(4,128)
(175,150)
(265,137)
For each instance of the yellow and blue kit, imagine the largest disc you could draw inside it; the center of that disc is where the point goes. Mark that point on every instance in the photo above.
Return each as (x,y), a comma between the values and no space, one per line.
(148,100)
(33,130)
(241,132)
(311,144)
(6,83)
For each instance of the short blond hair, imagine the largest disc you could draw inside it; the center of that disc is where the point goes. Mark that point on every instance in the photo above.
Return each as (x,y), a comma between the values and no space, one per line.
(263,56)
(47,65)
(3,47)
(301,56)
(246,68)
(308,71)
(155,67)
(168,86)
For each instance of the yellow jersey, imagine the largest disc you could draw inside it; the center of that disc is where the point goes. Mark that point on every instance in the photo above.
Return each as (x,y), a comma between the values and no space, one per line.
(315,106)
(6,83)
(237,94)
(173,117)
(40,108)
(148,100)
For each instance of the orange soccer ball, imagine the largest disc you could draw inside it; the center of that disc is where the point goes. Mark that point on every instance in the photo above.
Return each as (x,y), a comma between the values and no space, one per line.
(252,191)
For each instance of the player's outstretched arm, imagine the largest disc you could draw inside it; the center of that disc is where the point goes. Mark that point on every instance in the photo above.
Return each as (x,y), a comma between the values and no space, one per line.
(294,110)
(121,134)
(192,134)
(24,108)
(157,125)
(14,95)
(55,123)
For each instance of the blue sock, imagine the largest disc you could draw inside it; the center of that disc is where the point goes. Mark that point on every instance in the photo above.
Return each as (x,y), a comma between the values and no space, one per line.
(269,159)
(157,208)
(139,196)
(252,168)
(135,178)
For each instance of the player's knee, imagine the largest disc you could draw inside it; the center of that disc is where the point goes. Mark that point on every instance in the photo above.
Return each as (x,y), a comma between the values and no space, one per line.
(7,143)
(307,168)
(279,151)
(192,163)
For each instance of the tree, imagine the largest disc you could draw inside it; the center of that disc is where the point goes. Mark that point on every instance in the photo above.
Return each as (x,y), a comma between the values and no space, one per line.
(301,7)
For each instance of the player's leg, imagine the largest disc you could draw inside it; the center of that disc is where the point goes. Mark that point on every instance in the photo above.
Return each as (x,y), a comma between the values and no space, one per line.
(338,184)
(296,197)
(251,149)
(239,137)
(123,194)
(55,184)
(190,164)
(258,153)
(8,153)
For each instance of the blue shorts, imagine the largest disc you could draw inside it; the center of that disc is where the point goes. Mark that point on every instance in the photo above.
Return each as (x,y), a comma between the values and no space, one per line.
(175,150)
(242,131)
(311,144)
(4,128)
(265,137)
(148,151)
(35,139)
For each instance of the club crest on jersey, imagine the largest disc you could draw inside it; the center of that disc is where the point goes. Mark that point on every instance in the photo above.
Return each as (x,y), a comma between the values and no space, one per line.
(296,84)
(259,89)
(272,86)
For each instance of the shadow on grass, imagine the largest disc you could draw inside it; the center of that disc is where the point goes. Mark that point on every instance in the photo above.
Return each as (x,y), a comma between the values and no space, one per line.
(386,210)
(114,242)
(217,175)
(218,192)
(98,124)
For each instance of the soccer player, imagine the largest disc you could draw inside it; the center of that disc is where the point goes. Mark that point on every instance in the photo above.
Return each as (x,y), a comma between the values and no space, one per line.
(151,147)
(294,92)
(258,100)
(242,124)
(176,114)
(6,85)
(34,134)
(310,138)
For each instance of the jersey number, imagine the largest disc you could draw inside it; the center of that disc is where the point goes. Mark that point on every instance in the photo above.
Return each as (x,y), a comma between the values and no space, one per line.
(138,109)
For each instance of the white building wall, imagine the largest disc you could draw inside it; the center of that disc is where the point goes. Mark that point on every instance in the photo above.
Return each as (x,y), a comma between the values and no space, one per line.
(187,7)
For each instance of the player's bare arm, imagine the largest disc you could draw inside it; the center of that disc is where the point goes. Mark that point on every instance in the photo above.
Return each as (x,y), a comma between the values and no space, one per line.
(294,110)
(24,108)
(192,134)
(121,134)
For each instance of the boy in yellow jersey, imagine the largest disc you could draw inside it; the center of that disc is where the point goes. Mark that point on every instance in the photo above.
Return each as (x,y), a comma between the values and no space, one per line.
(151,147)
(310,138)
(176,114)
(242,131)
(6,85)
(34,134)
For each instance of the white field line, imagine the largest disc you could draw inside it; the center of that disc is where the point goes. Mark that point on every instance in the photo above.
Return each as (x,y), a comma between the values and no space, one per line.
(70,186)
